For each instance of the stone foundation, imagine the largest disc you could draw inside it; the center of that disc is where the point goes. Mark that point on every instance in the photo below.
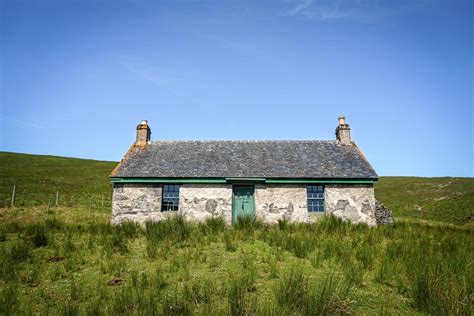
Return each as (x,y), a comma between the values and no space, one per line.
(273,202)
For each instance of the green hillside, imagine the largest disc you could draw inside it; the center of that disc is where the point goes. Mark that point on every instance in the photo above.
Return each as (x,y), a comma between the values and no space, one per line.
(442,199)
(37,179)
(81,182)
(69,260)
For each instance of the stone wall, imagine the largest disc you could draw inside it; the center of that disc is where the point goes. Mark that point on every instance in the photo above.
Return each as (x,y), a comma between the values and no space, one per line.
(275,202)
(142,202)
(136,202)
(200,201)
(383,215)
(355,203)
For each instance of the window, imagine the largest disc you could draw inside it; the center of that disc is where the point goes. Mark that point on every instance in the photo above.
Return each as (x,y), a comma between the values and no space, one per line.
(315,198)
(170,197)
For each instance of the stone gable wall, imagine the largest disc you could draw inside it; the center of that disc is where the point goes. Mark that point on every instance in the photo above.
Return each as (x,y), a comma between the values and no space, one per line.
(273,202)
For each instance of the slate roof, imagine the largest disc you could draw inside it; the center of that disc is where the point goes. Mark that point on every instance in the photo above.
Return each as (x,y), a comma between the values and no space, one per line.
(232,159)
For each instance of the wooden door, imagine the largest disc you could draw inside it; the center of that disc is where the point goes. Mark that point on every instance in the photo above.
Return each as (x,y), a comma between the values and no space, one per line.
(243,202)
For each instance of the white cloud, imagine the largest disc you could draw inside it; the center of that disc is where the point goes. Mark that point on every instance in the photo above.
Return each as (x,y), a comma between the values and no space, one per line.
(360,10)
(320,10)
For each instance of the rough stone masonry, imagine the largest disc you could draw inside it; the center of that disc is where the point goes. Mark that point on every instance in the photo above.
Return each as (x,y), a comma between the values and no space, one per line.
(142,202)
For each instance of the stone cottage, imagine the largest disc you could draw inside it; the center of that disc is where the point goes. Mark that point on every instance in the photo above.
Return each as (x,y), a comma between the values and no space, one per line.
(272,180)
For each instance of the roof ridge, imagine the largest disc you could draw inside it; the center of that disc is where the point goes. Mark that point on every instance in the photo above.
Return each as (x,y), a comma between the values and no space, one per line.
(243,140)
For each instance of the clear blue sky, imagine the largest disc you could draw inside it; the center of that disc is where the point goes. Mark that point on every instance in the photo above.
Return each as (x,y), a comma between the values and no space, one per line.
(77,76)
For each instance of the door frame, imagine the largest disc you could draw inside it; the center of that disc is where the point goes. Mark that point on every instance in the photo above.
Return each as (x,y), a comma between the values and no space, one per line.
(233,199)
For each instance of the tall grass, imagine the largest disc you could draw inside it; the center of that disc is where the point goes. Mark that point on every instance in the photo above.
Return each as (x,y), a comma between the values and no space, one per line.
(298,295)
(177,267)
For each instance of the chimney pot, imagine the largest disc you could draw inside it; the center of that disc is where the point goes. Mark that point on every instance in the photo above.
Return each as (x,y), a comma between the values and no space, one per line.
(342,120)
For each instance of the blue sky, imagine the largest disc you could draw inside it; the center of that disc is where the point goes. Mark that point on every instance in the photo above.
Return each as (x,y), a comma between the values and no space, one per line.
(77,76)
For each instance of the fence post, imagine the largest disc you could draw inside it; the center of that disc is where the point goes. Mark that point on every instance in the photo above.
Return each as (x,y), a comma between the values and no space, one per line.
(13,195)
(102,200)
(57,197)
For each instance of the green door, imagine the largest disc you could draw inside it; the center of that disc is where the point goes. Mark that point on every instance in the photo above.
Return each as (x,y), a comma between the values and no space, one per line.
(243,202)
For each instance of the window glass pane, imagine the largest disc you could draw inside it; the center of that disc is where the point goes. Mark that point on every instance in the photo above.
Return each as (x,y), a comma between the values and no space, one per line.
(170,201)
(315,195)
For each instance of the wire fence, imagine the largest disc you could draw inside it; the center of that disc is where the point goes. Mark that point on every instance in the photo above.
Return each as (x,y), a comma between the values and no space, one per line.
(19,197)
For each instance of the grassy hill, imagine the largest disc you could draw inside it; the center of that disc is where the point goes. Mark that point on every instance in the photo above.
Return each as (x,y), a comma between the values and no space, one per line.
(445,199)
(37,179)
(68,260)
(81,182)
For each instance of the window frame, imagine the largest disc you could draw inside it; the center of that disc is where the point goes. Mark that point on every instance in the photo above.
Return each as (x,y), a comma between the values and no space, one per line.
(315,195)
(167,196)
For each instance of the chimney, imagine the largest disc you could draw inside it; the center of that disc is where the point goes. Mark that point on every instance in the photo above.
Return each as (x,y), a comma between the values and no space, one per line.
(343,132)
(143,133)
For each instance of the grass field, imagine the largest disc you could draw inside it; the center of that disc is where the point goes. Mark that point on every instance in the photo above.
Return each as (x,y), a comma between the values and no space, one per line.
(68,260)
(82,182)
